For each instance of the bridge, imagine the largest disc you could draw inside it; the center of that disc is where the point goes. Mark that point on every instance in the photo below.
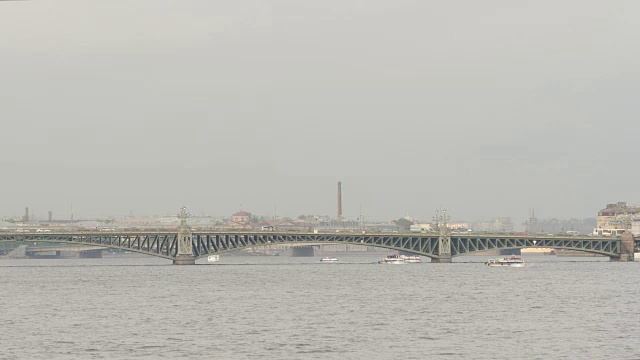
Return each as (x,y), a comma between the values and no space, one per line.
(186,246)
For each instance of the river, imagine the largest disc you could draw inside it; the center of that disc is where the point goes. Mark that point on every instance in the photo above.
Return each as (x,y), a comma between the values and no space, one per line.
(272,307)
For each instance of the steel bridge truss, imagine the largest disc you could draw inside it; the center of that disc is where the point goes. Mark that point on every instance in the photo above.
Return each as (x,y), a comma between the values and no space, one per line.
(206,244)
(159,244)
(467,245)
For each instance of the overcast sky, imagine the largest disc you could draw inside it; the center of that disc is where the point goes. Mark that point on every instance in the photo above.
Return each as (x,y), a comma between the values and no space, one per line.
(486,108)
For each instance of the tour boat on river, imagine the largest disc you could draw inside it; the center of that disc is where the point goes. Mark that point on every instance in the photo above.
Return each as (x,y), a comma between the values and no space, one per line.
(512,261)
(328,260)
(393,259)
(400,259)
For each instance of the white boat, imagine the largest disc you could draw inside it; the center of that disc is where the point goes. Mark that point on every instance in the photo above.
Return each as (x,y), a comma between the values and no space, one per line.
(213,258)
(328,260)
(412,259)
(512,261)
(393,259)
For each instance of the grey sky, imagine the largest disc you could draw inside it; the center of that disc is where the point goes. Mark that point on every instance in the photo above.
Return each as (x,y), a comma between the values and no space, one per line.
(488,108)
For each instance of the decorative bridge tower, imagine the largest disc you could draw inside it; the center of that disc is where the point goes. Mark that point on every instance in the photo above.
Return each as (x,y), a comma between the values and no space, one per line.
(444,237)
(184,256)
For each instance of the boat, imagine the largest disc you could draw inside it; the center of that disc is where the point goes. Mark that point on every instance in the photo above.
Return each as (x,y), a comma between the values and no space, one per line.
(328,260)
(393,259)
(512,261)
(412,259)
(213,258)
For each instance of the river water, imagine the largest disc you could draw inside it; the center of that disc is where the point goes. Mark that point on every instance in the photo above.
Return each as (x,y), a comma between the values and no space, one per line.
(296,308)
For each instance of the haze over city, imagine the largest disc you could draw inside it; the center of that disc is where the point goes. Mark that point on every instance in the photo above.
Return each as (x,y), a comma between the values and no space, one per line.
(488,109)
(268,179)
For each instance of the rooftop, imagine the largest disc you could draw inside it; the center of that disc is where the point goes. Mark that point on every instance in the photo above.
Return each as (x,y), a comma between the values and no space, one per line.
(619,208)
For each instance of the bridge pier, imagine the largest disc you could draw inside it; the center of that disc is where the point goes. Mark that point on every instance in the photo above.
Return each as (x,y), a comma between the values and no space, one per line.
(622,258)
(626,249)
(184,260)
(444,239)
(302,251)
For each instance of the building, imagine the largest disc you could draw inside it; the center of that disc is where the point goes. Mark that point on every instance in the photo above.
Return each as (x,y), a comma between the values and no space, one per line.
(241,216)
(240,220)
(635,227)
(421,228)
(458,226)
(617,216)
(499,225)
(558,226)
(339,224)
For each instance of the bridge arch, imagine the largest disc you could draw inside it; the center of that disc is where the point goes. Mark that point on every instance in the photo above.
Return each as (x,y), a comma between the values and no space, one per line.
(473,244)
(94,245)
(293,244)
(217,243)
(538,247)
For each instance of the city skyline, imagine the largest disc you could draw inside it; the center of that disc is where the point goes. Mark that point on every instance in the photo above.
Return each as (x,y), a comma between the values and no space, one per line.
(35,216)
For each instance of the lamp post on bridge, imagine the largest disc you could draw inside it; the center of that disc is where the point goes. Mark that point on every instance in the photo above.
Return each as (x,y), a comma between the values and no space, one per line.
(184,255)
(444,238)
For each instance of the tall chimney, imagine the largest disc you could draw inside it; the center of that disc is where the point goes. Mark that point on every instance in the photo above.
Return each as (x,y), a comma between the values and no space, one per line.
(50,216)
(339,200)
(26,214)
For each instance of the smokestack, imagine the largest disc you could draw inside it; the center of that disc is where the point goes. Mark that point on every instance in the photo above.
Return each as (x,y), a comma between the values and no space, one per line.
(50,216)
(339,200)
(26,214)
